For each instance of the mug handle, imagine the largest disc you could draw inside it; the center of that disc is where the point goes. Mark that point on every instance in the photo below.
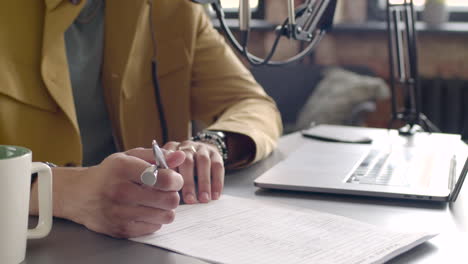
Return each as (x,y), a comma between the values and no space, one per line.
(44,181)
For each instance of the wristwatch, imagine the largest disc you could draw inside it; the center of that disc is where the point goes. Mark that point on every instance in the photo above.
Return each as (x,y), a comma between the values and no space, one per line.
(217,138)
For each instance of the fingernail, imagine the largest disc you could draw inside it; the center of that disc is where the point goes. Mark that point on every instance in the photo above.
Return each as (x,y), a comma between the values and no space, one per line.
(190,198)
(205,197)
(215,195)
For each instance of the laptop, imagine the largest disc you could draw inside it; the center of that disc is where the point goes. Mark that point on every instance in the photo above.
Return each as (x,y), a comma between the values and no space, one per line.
(373,162)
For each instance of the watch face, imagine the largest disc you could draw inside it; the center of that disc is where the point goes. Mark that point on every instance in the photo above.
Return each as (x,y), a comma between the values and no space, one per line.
(217,133)
(221,134)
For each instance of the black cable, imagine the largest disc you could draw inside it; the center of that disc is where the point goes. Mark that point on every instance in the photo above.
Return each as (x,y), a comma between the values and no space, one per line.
(391,64)
(154,76)
(245,40)
(162,117)
(255,61)
(415,69)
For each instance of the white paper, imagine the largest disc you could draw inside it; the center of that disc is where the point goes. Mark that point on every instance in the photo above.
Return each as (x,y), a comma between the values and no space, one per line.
(237,230)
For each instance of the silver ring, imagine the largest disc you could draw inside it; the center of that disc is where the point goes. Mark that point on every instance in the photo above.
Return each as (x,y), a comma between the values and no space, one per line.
(189,147)
(149,176)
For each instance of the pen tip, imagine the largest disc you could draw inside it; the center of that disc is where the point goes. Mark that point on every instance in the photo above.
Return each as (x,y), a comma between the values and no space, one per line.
(154,142)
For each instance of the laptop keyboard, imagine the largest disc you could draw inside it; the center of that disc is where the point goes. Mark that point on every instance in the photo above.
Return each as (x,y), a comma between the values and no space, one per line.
(382,168)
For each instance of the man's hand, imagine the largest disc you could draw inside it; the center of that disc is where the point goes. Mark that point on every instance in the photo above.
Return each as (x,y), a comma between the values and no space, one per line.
(204,161)
(109,198)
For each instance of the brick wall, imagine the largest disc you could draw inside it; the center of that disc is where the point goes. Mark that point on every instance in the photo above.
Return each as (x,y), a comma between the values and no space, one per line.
(440,55)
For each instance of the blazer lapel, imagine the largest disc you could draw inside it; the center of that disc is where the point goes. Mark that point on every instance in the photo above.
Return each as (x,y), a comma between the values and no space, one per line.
(121,20)
(127,36)
(54,66)
(121,17)
(52,4)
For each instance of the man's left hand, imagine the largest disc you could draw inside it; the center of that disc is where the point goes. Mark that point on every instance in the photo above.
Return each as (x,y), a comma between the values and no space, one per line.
(204,162)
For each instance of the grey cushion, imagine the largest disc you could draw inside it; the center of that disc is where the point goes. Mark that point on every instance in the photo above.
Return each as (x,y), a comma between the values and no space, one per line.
(337,96)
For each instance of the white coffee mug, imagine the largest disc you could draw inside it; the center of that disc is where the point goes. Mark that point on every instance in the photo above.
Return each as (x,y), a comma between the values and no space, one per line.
(16,167)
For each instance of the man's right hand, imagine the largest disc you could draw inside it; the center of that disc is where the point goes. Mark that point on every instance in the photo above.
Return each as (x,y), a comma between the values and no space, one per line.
(109,198)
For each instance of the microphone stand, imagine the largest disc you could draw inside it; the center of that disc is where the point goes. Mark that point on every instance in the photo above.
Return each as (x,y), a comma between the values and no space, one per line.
(403,63)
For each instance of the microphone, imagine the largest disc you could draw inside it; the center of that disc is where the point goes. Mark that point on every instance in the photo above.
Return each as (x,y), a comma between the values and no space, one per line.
(244,15)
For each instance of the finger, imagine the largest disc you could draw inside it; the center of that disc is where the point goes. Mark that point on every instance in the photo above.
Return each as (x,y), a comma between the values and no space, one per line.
(128,193)
(131,168)
(217,175)
(188,146)
(134,229)
(155,216)
(128,168)
(173,159)
(187,169)
(168,180)
(171,145)
(141,153)
(203,165)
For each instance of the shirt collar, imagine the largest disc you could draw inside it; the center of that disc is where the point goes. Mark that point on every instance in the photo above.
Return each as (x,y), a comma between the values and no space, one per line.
(52,4)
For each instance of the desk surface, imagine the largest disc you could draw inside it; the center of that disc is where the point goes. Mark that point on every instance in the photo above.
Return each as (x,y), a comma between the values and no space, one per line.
(72,243)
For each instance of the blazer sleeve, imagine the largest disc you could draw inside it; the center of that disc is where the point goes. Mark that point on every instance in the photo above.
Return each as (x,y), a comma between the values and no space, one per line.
(225,95)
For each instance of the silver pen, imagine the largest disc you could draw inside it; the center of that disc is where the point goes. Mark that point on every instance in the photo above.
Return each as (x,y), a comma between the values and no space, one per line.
(150,174)
(159,156)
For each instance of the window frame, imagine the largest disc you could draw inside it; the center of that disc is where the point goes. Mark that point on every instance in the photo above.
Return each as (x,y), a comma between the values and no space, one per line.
(259,13)
(376,13)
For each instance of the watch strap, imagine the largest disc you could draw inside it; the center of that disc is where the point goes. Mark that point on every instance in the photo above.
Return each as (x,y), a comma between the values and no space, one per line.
(216,138)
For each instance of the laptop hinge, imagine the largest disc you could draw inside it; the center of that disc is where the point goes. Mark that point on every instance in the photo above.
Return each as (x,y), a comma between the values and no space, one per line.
(456,189)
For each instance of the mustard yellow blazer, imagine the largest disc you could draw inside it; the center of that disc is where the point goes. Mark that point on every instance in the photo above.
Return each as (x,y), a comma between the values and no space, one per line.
(200,78)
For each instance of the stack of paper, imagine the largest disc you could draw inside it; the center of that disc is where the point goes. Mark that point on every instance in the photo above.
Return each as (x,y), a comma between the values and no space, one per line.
(236,230)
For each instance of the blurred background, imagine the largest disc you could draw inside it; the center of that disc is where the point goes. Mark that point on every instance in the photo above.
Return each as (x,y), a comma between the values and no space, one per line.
(358,44)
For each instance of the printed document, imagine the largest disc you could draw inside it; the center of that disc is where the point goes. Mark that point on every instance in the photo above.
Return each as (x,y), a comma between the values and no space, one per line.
(238,230)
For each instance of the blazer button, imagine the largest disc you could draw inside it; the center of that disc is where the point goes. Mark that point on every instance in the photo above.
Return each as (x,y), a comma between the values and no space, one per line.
(75,2)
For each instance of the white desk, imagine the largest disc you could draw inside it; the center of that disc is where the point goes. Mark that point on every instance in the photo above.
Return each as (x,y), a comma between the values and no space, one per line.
(72,243)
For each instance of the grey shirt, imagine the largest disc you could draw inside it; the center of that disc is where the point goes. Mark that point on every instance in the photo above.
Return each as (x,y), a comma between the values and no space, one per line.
(84,41)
